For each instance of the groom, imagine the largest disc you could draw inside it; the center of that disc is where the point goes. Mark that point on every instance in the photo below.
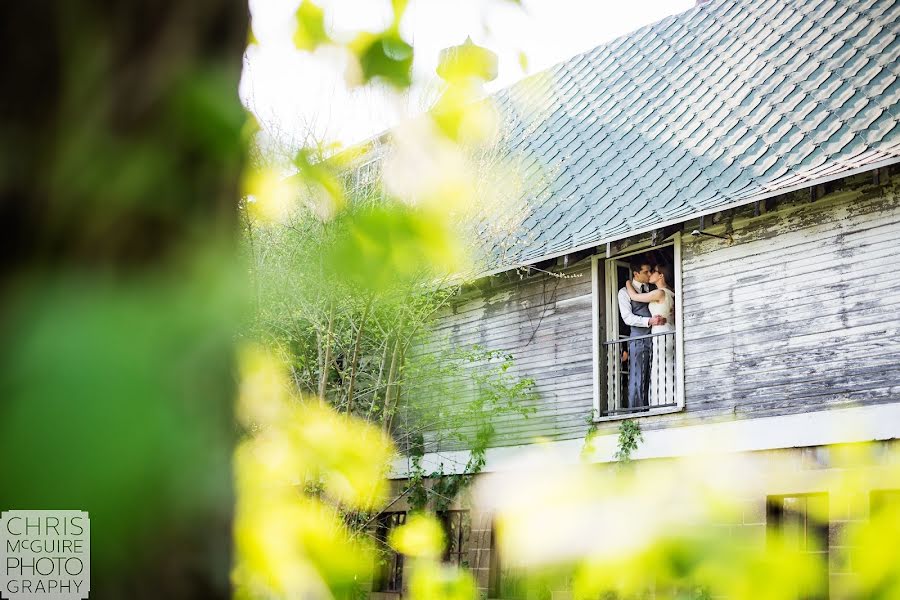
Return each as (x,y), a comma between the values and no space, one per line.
(637,316)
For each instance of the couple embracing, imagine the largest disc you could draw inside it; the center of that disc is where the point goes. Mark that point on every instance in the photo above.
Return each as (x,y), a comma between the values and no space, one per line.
(651,360)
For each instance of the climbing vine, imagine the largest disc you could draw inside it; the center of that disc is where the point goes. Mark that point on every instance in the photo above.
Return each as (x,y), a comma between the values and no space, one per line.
(588,449)
(629,437)
(498,392)
(445,487)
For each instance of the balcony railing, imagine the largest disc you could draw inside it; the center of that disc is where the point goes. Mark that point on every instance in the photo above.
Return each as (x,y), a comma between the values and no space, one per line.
(650,361)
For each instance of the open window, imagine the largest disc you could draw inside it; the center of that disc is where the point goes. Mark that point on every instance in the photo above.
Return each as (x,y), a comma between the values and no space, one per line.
(389,565)
(638,362)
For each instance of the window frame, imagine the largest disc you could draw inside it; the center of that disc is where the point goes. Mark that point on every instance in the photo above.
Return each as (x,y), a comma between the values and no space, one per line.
(382,576)
(776,518)
(463,536)
(499,576)
(604,300)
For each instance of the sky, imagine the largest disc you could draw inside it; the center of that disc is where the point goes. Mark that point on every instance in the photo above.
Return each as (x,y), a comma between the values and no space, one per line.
(304,97)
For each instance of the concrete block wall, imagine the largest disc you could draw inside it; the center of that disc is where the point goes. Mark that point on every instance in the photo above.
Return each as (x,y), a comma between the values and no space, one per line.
(801,471)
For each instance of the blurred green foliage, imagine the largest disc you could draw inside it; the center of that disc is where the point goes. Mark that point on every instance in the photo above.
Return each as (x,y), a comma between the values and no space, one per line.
(680,528)
(127,302)
(384,56)
(310,31)
(122,148)
(89,362)
(380,247)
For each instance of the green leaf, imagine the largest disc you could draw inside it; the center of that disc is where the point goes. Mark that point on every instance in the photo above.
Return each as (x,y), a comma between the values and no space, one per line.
(385,56)
(467,61)
(399,7)
(310,32)
(376,248)
(523,61)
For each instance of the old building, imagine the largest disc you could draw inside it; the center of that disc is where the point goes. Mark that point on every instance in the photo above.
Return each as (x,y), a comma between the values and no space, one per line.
(752,148)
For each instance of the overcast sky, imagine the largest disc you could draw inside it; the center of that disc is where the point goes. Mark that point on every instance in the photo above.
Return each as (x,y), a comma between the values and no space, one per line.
(296,91)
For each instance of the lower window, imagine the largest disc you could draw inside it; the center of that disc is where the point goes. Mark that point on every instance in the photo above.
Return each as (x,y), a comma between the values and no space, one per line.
(801,521)
(457,529)
(505,581)
(389,567)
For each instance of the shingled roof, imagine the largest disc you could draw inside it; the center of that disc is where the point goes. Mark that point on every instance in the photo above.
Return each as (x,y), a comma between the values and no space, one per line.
(725,104)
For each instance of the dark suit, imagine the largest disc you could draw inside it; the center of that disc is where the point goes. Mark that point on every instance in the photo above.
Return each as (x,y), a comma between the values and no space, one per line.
(639,359)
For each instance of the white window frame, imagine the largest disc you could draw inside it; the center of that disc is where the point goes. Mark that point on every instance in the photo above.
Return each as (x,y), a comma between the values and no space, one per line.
(609,303)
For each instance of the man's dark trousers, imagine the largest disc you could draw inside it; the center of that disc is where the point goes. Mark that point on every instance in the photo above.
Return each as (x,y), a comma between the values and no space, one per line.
(639,360)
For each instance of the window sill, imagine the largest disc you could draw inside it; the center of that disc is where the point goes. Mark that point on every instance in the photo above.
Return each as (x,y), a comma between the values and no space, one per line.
(640,415)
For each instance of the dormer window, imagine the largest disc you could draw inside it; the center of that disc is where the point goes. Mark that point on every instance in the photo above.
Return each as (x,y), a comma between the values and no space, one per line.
(638,363)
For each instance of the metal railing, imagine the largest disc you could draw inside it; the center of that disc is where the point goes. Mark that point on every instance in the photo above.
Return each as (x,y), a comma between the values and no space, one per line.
(639,374)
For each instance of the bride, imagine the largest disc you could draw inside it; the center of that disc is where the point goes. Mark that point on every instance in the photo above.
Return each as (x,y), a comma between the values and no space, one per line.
(661,301)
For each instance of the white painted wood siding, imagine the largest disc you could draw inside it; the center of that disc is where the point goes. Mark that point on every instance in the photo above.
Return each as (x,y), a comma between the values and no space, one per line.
(800,313)
(545,323)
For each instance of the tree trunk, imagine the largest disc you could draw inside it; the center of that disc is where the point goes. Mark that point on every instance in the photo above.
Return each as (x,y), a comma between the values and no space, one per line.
(121,136)
(354,360)
(391,391)
(381,369)
(326,355)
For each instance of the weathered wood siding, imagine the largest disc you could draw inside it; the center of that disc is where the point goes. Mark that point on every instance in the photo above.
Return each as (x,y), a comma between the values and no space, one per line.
(800,313)
(544,322)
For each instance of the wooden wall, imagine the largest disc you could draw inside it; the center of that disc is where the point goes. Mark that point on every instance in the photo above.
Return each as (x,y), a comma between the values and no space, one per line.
(800,313)
(544,322)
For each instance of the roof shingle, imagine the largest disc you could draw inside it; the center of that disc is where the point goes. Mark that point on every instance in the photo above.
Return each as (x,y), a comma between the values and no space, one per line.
(703,110)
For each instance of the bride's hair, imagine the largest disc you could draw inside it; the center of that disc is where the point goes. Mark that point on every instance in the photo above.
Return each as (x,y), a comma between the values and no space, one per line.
(668,274)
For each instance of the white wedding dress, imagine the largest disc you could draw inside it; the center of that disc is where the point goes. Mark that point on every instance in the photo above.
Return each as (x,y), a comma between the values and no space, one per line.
(662,362)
